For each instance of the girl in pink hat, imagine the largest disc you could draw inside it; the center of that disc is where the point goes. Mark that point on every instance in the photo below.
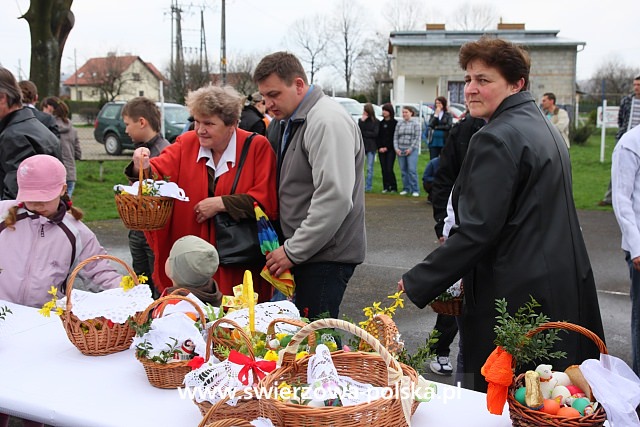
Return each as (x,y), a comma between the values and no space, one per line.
(42,238)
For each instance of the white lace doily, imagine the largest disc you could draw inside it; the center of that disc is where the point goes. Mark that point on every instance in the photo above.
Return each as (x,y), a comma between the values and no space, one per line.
(113,304)
(262,422)
(165,329)
(214,379)
(325,382)
(265,313)
(164,188)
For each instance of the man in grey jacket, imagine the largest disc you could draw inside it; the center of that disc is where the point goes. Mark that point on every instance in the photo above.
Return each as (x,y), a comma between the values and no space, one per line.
(320,181)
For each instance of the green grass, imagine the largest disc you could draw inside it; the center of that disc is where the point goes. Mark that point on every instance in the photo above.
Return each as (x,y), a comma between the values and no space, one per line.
(590,177)
(94,195)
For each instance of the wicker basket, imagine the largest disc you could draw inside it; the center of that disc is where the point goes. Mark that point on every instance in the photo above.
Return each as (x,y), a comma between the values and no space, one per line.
(166,375)
(384,329)
(230,422)
(96,337)
(452,307)
(211,334)
(521,416)
(144,213)
(368,368)
(246,410)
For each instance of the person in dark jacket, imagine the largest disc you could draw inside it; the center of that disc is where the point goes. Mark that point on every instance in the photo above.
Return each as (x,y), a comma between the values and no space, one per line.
(369,129)
(386,153)
(440,125)
(515,230)
(30,98)
(252,117)
(21,135)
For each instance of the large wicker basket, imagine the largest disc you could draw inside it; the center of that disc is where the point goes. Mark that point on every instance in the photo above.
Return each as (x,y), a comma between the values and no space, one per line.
(166,375)
(368,368)
(521,416)
(146,213)
(98,336)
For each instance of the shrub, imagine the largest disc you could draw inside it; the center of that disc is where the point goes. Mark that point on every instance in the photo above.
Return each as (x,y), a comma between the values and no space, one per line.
(582,134)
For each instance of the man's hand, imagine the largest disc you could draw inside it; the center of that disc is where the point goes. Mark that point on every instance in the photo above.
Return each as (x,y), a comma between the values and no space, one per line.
(278,262)
(400,286)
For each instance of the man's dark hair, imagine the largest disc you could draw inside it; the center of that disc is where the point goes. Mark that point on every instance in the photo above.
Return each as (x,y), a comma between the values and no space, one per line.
(551,96)
(145,108)
(511,60)
(637,77)
(283,64)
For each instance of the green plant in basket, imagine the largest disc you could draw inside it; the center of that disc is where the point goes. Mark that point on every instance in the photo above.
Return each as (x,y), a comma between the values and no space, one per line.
(511,333)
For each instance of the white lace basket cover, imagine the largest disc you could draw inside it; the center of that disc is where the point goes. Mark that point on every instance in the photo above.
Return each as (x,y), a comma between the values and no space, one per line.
(265,313)
(113,304)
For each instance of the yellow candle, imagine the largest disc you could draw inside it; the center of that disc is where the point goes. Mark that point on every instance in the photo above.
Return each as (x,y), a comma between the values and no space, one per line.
(247,290)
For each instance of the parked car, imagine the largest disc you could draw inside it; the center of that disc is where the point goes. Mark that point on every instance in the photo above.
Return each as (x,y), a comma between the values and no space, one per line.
(109,128)
(352,106)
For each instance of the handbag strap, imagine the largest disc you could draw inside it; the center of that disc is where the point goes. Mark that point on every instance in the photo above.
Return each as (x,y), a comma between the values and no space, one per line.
(243,156)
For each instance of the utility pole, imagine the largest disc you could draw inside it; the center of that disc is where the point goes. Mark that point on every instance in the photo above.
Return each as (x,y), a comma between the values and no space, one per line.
(75,65)
(177,68)
(223,48)
(203,45)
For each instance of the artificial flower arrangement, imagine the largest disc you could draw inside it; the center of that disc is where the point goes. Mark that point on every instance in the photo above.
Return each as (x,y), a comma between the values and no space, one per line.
(454,291)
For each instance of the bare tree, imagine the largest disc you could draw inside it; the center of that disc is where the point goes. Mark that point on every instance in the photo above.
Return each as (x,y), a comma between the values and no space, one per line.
(50,22)
(474,16)
(197,75)
(614,77)
(108,76)
(241,68)
(311,37)
(375,70)
(405,15)
(349,37)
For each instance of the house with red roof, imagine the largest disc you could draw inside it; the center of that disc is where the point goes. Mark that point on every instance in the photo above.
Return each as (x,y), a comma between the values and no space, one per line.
(115,78)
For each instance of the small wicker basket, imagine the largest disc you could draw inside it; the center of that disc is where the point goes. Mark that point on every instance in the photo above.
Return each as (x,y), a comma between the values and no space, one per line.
(368,368)
(145,213)
(452,307)
(521,416)
(166,375)
(384,329)
(96,337)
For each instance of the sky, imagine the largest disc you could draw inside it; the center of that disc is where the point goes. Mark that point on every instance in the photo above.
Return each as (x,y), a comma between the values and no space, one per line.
(258,27)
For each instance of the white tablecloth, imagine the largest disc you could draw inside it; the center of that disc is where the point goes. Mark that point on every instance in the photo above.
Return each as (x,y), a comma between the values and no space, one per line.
(43,377)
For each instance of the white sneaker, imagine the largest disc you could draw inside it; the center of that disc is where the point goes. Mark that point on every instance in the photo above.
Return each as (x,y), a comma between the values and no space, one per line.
(415,194)
(404,193)
(441,366)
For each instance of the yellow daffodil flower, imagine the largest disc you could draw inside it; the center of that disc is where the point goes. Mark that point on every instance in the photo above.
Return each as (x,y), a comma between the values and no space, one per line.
(271,356)
(53,291)
(301,354)
(127,283)
(142,278)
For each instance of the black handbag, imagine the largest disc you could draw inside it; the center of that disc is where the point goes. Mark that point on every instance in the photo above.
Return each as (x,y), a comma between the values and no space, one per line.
(237,241)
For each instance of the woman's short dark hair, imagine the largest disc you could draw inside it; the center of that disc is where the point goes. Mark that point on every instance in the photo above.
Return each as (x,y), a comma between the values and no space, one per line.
(443,101)
(9,87)
(511,61)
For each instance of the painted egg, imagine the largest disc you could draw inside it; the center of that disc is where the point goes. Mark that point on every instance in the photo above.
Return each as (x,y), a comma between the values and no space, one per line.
(580,404)
(520,394)
(568,412)
(550,406)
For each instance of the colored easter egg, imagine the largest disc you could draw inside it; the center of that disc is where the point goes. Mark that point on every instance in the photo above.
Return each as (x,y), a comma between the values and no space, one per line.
(568,412)
(520,394)
(574,390)
(550,407)
(580,404)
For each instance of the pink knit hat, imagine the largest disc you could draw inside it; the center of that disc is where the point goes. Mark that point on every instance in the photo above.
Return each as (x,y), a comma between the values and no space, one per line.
(40,178)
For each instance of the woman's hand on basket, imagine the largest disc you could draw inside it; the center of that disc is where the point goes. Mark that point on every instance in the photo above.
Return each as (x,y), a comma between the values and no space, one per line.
(208,208)
(143,154)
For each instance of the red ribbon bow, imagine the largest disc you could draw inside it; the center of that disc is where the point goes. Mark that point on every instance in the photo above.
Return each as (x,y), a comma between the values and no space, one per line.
(259,368)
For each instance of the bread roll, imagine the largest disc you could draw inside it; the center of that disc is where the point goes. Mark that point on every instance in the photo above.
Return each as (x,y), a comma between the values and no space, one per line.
(578,380)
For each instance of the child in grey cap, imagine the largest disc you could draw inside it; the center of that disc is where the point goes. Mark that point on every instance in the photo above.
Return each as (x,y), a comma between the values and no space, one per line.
(191,265)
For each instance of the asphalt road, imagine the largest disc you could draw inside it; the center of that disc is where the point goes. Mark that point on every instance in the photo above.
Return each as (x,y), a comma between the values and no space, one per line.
(400,234)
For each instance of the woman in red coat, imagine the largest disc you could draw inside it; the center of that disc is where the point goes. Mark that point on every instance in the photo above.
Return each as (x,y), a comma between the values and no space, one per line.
(212,148)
